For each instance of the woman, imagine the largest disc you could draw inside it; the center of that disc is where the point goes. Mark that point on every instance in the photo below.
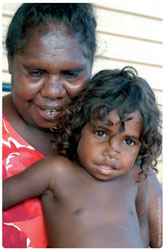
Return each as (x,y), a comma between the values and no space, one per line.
(50,53)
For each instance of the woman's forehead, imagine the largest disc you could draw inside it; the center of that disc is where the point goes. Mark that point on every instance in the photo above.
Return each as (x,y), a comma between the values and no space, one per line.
(56,39)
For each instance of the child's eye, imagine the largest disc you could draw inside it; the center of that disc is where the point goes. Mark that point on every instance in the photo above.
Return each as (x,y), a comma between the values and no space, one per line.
(129,142)
(100,133)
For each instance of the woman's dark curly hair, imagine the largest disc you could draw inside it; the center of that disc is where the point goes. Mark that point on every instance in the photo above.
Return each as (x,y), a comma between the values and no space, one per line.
(32,17)
(116,89)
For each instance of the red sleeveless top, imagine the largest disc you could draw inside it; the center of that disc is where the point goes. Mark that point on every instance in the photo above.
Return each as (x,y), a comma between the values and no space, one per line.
(23,224)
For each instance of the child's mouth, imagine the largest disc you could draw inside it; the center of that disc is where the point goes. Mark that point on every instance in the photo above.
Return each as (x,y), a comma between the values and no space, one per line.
(106,169)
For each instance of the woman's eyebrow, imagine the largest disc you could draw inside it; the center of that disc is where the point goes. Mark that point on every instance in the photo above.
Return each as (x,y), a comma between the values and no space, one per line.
(79,69)
(31,66)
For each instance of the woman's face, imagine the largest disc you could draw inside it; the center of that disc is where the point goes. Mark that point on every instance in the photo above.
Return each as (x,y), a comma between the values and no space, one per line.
(51,68)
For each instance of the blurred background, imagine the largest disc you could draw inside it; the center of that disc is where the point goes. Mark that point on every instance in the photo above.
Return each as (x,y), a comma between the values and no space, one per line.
(128,33)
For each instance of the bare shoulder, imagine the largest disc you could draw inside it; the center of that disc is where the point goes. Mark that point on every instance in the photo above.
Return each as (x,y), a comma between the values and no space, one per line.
(61,170)
(135,172)
(142,194)
(58,163)
(7,106)
(58,160)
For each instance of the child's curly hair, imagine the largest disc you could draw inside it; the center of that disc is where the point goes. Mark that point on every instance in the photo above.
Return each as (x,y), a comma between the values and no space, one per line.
(116,89)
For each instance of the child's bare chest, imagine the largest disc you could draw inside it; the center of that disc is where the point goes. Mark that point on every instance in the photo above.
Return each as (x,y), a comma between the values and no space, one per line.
(81,189)
(103,212)
(100,196)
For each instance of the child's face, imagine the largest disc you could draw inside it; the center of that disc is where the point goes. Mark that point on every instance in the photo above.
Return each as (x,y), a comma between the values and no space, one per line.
(106,154)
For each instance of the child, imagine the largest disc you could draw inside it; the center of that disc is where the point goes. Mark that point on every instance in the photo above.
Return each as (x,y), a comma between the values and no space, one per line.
(99,194)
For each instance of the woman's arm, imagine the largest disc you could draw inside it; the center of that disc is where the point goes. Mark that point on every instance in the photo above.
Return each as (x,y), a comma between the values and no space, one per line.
(155,211)
(30,183)
(142,210)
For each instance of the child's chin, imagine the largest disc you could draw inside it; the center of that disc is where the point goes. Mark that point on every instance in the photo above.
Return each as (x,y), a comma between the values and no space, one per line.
(105,177)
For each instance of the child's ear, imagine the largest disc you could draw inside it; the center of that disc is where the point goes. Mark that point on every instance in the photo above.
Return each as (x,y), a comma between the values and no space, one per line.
(138,160)
(77,138)
(10,63)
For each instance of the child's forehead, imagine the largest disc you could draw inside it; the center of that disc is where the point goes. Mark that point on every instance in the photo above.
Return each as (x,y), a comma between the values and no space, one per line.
(113,118)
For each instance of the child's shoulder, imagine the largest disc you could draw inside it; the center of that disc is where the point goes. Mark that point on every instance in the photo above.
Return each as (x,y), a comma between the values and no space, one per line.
(59,162)
(58,159)
(60,170)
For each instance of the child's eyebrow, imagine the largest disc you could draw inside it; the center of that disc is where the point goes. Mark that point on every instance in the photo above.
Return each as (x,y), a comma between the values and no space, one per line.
(103,126)
(110,123)
(133,137)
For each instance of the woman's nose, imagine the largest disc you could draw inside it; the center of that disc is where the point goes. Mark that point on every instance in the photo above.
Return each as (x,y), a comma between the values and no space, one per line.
(53,88)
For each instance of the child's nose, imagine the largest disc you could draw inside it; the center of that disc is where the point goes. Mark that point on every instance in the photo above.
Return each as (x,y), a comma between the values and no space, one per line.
(113,149)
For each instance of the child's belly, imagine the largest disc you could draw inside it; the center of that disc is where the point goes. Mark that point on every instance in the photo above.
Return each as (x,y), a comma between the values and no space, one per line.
(96,228)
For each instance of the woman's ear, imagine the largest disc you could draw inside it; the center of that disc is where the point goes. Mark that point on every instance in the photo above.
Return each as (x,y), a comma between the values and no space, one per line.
(10,63)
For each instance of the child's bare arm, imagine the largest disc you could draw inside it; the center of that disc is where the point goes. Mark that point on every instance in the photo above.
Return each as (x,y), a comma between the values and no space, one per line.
(30,183)
(155,211)
(142,210)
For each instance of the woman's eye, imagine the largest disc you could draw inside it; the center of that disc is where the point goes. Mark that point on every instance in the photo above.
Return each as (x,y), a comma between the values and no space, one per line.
(70,74)
(101,134)
(36,73)
(129,142)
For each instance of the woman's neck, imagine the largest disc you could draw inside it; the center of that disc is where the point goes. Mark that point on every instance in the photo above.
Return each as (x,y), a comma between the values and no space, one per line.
(41,140)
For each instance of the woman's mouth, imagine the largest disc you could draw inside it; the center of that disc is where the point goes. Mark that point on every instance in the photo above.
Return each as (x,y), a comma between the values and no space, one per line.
(48,113)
